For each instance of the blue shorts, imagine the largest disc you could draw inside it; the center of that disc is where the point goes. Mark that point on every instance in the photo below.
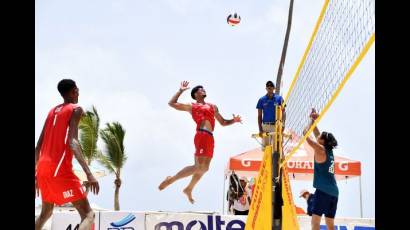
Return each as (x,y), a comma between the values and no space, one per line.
(309,204)
(324,203)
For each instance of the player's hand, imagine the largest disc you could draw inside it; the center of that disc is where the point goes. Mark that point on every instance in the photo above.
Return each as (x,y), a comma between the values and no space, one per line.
(93,184)
(314,115)
(184,86)
(237,118)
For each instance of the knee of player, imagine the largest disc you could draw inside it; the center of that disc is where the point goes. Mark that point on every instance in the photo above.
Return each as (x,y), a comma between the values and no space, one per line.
(315,224)
(197,168)
(204,168)
(200,169)
(90,215)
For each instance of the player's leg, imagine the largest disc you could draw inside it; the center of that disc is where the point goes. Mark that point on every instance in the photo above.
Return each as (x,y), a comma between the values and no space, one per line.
(203,167)
(47,196)
(319,205)
(187,171)
(69,190)
(86,213)
(331,213)
(315,222)
(267,128)
(46,212)
(330,223)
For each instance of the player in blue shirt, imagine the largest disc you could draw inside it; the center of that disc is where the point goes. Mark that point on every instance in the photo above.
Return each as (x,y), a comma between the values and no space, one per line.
(266,111)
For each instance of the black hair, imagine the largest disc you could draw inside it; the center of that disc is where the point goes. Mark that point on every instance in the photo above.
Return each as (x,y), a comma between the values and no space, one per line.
(235,186)
(330,140)
(194,90)
(270,84)
(65,85)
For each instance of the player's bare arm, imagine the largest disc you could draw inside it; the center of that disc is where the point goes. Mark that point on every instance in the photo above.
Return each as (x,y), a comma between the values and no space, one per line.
(314,115)
(174,100)
(38,146)
(37,156)
(76,148)
(223,121)
(319,150)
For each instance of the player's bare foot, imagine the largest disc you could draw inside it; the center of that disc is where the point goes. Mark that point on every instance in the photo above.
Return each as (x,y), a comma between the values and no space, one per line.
(188,193)
(165,183)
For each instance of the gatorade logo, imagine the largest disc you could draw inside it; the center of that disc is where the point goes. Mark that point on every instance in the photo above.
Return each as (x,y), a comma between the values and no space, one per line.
(246,162)
(344,165)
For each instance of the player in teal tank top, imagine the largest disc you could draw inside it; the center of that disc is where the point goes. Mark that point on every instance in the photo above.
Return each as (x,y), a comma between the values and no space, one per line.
(327,192)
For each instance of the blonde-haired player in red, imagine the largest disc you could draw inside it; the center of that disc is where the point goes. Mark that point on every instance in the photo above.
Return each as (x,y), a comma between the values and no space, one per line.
(57,144)
(204,115)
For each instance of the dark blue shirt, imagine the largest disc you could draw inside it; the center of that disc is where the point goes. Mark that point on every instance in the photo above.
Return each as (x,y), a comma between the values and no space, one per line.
(324,175)
(268,107)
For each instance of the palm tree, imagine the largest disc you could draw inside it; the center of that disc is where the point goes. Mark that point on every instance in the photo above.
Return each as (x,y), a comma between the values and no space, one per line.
(89,127)
(114,157)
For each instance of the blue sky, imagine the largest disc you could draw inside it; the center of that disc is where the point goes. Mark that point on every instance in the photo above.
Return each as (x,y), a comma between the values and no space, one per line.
(129,57)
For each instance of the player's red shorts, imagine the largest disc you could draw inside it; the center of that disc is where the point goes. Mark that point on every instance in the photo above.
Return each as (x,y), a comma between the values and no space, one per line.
(60,189)
(204,143)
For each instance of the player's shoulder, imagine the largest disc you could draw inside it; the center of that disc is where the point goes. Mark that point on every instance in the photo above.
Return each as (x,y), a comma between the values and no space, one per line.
(54,108)
(213,106)
(51,111)
(77,110)
(263,98)
(69,107)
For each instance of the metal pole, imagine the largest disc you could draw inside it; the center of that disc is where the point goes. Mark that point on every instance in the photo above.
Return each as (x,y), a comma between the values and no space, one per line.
(275,163)
(275,190)
(276,172)
(361,203)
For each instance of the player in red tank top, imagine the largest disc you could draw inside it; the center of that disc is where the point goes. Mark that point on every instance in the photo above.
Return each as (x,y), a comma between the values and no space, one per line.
(57,144)
(204,115)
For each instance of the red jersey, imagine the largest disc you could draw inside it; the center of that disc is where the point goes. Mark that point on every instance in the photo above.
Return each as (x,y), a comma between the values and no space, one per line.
(201,112)
(55,154)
